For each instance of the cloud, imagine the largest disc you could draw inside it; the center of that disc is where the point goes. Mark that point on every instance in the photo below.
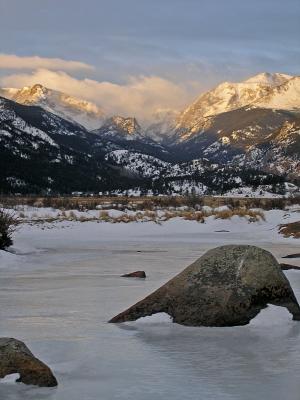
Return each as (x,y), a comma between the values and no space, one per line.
(12,61)
(141,96)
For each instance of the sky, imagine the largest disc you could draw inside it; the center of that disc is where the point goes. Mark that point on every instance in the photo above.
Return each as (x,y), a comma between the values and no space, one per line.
(135,56)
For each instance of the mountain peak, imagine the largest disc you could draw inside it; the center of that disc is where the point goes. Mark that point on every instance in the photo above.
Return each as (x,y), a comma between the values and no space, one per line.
(38,88)
(123,127)
(71,108)
(128,125)
(229,96)
(269,79)
(31,94)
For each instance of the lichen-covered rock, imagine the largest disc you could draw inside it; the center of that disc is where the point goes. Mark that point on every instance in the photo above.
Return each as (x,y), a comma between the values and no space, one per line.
(227,286)
(16,358)
(136,274)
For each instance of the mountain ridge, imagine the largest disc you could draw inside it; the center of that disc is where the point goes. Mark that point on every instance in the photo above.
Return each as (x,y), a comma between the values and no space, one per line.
(69,107)
(256,138)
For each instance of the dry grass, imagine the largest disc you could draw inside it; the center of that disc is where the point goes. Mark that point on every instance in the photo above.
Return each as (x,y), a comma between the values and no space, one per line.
(147,203)
(251,215)
(125,219)
(133,213)
(290,230)
(193,216)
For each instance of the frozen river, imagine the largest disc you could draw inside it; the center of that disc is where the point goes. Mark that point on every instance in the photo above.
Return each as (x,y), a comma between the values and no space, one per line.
(64,284)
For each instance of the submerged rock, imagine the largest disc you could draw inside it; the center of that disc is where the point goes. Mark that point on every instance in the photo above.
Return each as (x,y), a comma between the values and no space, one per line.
(227,286)
(136,274)
(297,255)
(289,266)
(16,358)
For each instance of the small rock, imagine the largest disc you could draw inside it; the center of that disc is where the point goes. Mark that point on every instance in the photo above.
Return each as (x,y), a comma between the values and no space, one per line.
(136,274)
(16,358)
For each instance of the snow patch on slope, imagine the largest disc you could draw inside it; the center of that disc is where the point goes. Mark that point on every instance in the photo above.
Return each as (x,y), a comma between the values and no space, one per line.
(71,108)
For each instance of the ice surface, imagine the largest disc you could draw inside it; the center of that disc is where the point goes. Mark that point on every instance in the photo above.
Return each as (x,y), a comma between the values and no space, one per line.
(62,285)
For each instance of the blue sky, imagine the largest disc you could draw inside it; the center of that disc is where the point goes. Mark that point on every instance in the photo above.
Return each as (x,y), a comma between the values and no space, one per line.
(190,44)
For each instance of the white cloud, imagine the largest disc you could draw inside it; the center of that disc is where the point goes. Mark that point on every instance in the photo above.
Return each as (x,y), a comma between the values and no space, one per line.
(140,96)
(12,61)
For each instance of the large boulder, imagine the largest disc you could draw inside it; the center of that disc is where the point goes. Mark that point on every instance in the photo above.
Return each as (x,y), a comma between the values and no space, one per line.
(227,286)
(15,357)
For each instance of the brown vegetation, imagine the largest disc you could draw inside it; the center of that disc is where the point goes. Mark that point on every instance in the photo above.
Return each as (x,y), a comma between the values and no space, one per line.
(290,230)
(252,215)
(148,203)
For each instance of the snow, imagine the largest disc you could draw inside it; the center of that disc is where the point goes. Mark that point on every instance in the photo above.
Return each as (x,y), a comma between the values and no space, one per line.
(284,97)
(265,90)
(19,123)
(159,318)
(126,128)
(10,379)
(278,315)
(7,259)
(225,97)
(71,108)
(56,218)
(272,80)
(262,191)
(137,163)
(63,284)
(116,213)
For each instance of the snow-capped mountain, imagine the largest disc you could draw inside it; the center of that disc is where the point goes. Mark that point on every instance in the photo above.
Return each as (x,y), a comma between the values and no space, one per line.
(138,164)
(40,151)
(226,97)
(198,176)
(268,79)
(146,166)
(126,128)
(71,108)
(283,97)
(251,137)
(254,123)
(236,135)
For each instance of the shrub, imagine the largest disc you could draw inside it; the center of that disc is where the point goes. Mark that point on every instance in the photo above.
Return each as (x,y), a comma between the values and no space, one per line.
(8,224)
(104,216)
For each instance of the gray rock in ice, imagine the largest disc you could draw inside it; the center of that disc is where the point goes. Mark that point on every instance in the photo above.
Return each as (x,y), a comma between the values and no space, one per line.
(227,286)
